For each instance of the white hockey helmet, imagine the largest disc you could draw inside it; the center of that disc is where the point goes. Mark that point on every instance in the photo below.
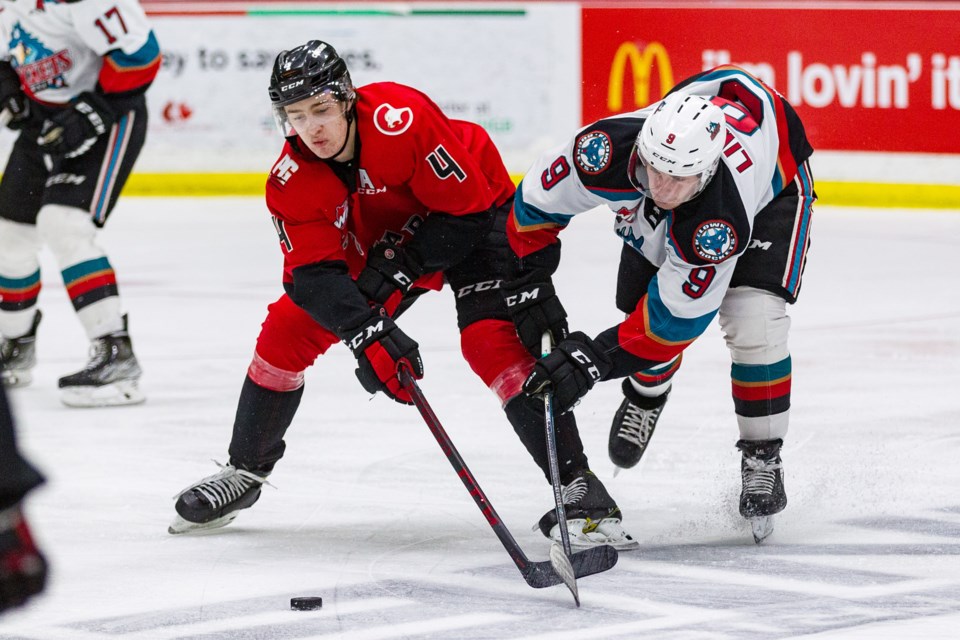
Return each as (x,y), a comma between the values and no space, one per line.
(683,137)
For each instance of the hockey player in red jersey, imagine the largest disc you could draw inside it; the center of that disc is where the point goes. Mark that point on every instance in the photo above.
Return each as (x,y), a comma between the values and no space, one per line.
(713,198)
(377,197)
(72,81)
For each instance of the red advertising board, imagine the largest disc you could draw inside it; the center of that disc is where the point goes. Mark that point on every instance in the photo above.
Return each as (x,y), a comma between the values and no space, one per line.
(865,77)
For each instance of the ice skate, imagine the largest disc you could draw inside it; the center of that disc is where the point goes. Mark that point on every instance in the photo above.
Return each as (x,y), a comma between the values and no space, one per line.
(18,356)
(110,378)
(633,426)
(763,494)
(216,500)
(593,518)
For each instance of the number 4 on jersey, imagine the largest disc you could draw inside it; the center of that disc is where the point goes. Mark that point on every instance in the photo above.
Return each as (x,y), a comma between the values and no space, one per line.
(445,166)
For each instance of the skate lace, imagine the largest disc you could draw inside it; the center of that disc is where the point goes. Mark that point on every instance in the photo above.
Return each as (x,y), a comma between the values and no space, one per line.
(760,475)
(226,485)
(638,424)
(99,353)
(573,492)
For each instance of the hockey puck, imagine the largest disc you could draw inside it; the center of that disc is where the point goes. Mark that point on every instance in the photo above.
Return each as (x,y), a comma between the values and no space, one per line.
(307,603)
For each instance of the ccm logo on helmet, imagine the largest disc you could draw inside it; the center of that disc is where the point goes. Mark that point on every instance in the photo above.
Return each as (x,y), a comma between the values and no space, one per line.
(292,85)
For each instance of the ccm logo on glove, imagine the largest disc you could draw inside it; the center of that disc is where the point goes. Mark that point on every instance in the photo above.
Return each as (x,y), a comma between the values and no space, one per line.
(522,297)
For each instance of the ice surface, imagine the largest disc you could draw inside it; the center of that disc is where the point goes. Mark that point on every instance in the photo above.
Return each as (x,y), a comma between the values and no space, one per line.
(368,514)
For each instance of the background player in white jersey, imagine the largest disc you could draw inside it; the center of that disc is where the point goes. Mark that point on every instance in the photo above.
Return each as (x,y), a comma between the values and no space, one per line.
(713,198)
(72,82)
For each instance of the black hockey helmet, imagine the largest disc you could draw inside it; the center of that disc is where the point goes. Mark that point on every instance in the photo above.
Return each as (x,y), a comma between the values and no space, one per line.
(307,70)
(310,70)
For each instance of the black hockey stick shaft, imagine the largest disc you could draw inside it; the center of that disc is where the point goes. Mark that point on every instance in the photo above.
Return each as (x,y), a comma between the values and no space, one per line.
(546,345)
(537,574)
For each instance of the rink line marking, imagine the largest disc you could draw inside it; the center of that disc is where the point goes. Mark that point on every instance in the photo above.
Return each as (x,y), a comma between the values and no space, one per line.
(419,627)
(794,586)
(216,626)
(685,621)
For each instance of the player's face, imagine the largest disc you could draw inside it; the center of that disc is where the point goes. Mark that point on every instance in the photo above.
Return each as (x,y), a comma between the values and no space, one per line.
(669,192)
(321,123)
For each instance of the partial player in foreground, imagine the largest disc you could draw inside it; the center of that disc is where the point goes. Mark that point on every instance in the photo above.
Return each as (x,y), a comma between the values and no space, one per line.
(378,197)
(713,198)
(23,570)
(72,82)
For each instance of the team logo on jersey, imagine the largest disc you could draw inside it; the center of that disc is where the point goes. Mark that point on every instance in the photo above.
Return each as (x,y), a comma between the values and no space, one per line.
(285,168)
(343,210)
(392,121)
(714,240)
(592,152)
(38,66)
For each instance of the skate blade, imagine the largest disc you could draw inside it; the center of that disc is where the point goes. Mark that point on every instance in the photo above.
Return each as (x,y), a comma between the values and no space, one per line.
(115,394)
(14,378)
(609,532)
(762,527)
(180,526)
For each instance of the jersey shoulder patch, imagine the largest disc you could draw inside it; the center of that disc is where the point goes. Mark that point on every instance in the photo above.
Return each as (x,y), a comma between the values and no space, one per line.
(393,107)
(714,226)
(601,152)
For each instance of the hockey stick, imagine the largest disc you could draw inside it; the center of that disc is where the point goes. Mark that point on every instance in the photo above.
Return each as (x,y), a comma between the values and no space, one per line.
(5,117)
(559,557)
(537,574)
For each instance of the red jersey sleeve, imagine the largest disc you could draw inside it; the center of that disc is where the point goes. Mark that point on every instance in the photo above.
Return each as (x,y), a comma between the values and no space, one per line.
(310,207)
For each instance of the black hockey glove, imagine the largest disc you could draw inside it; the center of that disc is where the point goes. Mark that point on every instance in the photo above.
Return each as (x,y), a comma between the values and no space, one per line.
(388,269)
(13,100)
(17,107)
(571,369)
(380,348)
(74,130)
(534,308)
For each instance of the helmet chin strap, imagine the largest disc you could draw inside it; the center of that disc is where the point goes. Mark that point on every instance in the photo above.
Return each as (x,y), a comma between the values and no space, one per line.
(349,117)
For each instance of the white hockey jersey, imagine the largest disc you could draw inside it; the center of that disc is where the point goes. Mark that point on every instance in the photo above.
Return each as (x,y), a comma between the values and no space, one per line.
(696,245)
(60,49)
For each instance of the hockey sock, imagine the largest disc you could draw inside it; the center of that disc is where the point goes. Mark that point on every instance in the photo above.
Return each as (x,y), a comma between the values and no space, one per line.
(525,413)
(262,420)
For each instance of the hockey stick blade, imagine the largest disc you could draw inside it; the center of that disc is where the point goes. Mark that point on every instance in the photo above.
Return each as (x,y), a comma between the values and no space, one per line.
(561,565)
(585,563)
(5,117)
(536,574)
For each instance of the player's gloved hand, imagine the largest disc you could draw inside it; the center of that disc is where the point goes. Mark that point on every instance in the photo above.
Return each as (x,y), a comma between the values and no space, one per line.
(74,130)
(12,98)
(17,105)
(389,268)
(380,348)
(571,369)
(23,570)
(534,307)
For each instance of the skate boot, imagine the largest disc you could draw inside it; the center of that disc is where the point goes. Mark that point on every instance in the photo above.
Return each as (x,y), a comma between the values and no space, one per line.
(17,357)
(110,377)
(763,494)
(633,426)
(216,500)
(593,518)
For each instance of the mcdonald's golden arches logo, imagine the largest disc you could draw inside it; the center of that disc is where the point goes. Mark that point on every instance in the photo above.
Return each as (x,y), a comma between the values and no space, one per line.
(641,66)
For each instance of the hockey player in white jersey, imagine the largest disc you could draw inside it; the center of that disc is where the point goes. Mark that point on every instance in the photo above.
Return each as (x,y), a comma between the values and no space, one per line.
(72,80)
(713,197)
